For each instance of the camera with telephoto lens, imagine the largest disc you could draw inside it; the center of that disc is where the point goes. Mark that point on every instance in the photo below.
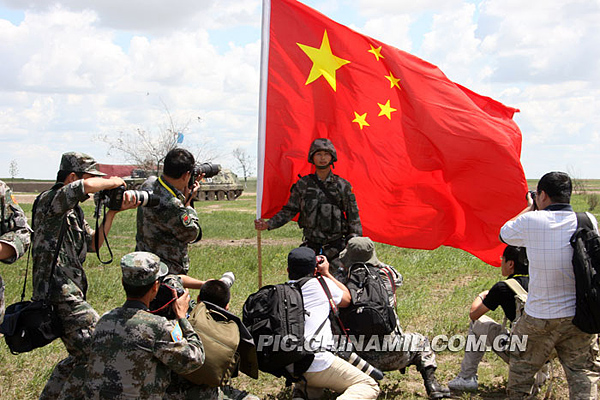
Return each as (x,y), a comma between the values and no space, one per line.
(208,169)
(228,278)
(113,198)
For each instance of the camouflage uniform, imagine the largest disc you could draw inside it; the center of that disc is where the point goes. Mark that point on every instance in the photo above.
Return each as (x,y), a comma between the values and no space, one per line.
(14,232)
(133,351)
(167,229)
(323,223)
(68,286)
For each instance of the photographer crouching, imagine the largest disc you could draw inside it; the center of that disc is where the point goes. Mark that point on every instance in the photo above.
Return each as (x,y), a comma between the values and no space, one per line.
(62,235)
(167,229)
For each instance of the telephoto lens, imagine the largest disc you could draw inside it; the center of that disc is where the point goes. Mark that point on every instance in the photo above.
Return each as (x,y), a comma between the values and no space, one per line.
(361,364)
(228,278)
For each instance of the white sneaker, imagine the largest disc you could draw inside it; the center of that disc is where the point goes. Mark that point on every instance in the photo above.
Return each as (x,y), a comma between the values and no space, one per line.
(463,384)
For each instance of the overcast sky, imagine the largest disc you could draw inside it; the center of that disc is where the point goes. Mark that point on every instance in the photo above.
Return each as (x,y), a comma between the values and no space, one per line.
(72,70)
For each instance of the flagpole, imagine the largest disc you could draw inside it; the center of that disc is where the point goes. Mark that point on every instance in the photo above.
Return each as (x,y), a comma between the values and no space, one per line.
(262,114)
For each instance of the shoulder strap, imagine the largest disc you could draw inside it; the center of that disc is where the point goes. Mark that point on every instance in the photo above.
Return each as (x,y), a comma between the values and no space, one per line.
(334,308)
(583,221)
(516,287)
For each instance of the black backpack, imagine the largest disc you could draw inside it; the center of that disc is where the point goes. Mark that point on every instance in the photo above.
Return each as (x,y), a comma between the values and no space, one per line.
(370,312)
(275,318)
(586,265)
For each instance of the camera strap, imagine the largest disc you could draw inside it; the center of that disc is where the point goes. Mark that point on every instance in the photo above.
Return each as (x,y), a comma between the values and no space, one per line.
(97,240)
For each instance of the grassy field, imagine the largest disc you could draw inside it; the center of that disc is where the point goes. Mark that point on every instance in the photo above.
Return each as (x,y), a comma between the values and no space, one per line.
(438,289)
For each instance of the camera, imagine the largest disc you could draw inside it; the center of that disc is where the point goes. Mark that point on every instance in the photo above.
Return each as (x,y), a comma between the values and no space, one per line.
(532,194)
(208,169)
(113,198)
(228,278)
(162,303)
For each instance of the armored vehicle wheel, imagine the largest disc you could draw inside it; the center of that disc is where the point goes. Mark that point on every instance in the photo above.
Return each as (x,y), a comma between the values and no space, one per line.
(210,195)
(238,193)
(220,195)
(201,196)
(231,195)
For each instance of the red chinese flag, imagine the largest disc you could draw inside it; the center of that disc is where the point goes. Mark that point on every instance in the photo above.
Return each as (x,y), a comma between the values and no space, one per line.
(431,162)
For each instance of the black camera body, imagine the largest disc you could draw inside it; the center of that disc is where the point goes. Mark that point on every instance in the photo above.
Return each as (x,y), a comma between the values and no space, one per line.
(113,198)
(208,169)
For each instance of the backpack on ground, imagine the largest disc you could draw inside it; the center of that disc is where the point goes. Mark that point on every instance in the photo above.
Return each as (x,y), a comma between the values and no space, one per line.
(275,317)
(520,299)
(370,312)
(586,266)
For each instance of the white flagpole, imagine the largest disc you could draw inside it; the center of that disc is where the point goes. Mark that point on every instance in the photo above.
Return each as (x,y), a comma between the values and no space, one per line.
(262,121)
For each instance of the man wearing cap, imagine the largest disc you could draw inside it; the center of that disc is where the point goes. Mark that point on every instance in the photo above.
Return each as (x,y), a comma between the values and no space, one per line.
(419,353)
(66,288)
(328,213)
(14,233)
(133,351)
(327,370)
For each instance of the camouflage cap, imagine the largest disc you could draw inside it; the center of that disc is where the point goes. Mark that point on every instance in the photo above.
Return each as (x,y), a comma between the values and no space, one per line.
(141,268)
(359,250)
(324,145)
(79,162)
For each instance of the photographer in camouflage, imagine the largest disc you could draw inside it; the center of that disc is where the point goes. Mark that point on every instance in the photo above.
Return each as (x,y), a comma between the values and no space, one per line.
(133,351)
(326,204)
(14,233)
(77,178)
(167,229)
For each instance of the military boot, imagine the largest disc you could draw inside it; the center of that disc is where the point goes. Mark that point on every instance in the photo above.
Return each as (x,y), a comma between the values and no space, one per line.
(435,390)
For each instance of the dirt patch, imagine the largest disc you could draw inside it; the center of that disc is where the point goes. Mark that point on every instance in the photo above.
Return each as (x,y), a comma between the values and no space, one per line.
(246,242)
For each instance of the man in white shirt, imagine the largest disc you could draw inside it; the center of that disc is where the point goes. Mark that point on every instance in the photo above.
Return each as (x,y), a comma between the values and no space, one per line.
(327,370)
(550,304)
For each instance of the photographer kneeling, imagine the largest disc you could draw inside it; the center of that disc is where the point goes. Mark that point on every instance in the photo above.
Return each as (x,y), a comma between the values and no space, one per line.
(167,229)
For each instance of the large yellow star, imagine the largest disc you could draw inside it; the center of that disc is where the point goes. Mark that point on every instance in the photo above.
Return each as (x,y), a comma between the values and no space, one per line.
(393,80)
(361,120)
(324,62)
(386,109)
(376,52)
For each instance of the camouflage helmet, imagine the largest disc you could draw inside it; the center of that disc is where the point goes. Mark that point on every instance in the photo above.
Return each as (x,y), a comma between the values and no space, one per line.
(322,144)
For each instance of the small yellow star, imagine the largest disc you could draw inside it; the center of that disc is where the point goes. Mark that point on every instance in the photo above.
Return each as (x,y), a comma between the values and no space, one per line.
(386,109)
(324,62)
(361,120)
(393,80)
(376,52)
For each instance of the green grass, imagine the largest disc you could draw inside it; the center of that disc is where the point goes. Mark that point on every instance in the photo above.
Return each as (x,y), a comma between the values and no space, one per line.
(438,289)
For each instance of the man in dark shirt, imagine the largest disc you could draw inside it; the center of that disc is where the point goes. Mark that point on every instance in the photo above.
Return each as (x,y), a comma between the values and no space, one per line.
(514,266)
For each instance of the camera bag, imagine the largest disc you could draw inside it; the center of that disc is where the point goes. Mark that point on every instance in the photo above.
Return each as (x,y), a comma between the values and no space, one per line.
(370,312)
(31,324)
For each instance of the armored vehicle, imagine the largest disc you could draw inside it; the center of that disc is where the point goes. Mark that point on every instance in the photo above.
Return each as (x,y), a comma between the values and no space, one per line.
(224,185)
(137,177)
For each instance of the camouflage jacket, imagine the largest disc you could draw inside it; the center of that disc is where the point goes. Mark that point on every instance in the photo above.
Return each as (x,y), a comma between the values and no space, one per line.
(322,222)
(133,353)
(167,229)
(69,277)
(14,230)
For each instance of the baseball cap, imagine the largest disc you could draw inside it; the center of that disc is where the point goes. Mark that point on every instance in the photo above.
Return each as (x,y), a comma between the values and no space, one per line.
(141,268)
(79,162)
(302,261)
(359,250)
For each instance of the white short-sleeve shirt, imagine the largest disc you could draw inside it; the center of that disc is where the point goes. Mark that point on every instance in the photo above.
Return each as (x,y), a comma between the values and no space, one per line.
(546,235)
(316,305)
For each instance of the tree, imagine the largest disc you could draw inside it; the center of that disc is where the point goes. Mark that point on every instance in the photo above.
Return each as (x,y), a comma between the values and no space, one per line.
(149,149)
(13,169)
(246,162)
